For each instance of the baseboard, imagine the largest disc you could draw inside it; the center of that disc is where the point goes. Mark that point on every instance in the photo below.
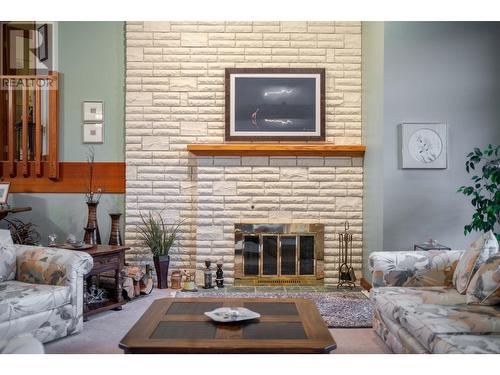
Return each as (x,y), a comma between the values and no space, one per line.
(365,284)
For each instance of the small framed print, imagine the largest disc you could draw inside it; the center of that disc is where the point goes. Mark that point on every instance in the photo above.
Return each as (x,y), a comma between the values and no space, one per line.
(424,146)
(93,133)
(93,111)
(4,192)
(43,49)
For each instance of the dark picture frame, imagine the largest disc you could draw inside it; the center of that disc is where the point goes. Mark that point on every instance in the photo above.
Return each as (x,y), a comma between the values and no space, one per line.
(275,104)
(43,49)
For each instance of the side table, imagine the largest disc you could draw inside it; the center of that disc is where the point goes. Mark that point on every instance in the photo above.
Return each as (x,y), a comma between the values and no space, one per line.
(430,246)
(107,258)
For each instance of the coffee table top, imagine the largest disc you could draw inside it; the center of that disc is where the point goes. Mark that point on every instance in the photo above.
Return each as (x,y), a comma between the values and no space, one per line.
(178,325)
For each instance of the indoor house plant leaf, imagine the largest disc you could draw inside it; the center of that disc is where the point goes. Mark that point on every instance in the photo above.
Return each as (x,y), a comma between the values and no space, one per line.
(159,236)
(484,191)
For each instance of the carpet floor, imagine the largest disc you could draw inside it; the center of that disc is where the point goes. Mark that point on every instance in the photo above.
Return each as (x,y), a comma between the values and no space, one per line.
(102,332)
(339,309)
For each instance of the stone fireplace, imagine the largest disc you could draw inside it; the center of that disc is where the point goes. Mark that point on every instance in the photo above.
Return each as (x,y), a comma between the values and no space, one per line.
(267,254)
(175,97)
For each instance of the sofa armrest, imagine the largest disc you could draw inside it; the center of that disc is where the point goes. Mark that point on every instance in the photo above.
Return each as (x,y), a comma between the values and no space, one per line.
(413,268)
(53,266)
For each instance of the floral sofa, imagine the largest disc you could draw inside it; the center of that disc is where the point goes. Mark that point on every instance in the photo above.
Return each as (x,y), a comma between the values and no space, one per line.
(418,310)
(41,290)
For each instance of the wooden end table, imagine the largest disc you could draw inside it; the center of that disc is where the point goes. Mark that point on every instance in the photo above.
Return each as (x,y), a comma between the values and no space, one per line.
(107,258)
(5,211)
(178,325)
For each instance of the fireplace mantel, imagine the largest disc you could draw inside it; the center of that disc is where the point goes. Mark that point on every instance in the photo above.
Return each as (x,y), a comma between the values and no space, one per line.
(266,149)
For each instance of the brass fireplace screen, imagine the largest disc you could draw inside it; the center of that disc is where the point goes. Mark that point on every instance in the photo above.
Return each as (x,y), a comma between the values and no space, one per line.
(279,254)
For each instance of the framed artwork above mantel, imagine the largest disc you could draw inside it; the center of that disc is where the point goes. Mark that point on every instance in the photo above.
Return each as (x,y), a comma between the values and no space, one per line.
(274,104)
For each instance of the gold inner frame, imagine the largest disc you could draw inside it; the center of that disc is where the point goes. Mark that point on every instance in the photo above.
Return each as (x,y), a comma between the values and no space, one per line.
(279,231)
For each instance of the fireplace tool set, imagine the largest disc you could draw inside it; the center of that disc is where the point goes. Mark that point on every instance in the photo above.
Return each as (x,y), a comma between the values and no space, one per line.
(347,276)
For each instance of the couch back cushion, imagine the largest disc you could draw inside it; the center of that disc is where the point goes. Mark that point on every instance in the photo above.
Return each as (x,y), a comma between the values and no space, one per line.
(35,266)
(465,270)
(484,288)
(413,268)
(480,250)
(7,262)
(487,243)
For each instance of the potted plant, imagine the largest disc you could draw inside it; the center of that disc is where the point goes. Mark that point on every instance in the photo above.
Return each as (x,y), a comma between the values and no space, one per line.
(159,237)
(484,191)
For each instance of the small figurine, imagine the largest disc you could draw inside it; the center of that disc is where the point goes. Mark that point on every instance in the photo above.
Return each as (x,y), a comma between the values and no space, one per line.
(188,285)
(208,275)
(219,275)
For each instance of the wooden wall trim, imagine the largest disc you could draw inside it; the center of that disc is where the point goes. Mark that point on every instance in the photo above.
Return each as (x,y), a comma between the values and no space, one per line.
(73,178)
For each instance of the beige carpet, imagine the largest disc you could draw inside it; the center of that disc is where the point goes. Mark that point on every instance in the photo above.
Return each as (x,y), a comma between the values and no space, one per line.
(102,333)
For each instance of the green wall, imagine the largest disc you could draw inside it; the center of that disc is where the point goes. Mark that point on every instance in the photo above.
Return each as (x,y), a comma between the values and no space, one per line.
(91,63)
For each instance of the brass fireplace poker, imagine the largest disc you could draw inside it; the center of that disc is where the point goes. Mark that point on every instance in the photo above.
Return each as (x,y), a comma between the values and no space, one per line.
(347,277)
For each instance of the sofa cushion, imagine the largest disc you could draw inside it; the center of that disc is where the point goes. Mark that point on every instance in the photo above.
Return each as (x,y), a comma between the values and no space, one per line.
(19,299)
(389,300)
(426,321)
(413,268)
(39,266)
(465,269)
(466,344)
(25,343)
(7,262)
(484,287)
(487,243)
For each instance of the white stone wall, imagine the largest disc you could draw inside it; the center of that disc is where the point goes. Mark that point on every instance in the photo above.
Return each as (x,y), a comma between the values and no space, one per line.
(175,96)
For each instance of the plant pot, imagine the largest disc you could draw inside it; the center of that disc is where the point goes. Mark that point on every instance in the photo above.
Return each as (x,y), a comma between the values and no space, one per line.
(161,267)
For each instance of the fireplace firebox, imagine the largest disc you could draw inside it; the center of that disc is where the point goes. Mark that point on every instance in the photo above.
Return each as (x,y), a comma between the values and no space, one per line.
(279,254)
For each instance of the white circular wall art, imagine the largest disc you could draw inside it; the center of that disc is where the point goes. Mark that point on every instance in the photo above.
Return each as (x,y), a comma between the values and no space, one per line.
(424,146)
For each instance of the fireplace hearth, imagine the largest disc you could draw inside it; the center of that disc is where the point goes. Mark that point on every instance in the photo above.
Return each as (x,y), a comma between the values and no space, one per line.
(269,254)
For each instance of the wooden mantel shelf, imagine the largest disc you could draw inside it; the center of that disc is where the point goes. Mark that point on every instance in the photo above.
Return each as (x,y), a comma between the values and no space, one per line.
(263,149)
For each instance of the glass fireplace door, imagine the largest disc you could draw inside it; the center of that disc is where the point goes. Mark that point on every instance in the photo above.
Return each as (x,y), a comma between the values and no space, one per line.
(251,255)
(288,255)
(269,255)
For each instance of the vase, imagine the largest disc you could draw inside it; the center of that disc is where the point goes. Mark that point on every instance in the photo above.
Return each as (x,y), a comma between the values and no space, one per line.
(92,220)
(90,236)
(115,237)
(161,267)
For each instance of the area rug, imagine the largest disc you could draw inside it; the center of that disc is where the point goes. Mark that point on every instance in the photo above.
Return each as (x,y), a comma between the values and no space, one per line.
(338,309)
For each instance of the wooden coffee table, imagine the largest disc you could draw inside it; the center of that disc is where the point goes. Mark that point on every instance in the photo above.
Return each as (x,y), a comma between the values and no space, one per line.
(177,325)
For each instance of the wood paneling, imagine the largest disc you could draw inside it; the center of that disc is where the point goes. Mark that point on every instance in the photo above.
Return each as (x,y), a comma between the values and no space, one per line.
(24,131)
(10,133)
(73,178)
(38,131)
(23,152)
(262,149)
(53,155)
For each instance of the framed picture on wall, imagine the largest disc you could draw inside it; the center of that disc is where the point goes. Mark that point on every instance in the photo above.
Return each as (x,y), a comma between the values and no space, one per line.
(275,104)
(4,192)
(43,47)
(93,133)
(93,111)
(424,146)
